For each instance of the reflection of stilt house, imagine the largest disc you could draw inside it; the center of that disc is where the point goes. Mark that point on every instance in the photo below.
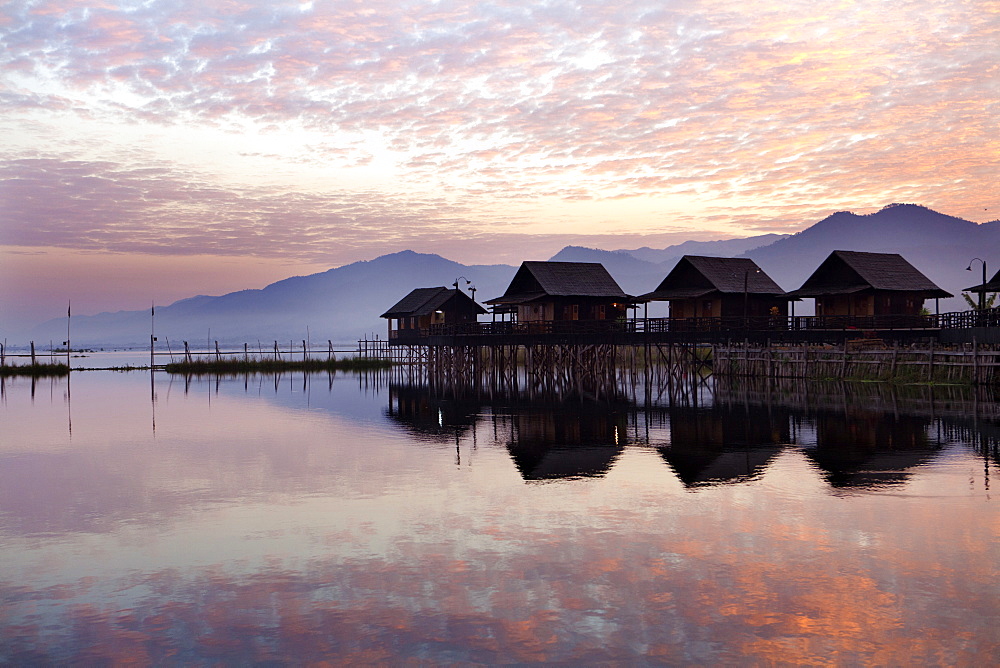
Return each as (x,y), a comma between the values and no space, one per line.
(424,307)
(561,291)
(868,449)
(723,444)
(852,283)
(578,442)
(430,417)
(715,287)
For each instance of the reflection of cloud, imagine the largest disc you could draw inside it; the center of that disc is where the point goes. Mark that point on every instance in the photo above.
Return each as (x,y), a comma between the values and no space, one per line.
(303,529)
(563,594)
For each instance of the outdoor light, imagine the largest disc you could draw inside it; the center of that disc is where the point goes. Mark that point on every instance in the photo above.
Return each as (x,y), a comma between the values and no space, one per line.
(982,292)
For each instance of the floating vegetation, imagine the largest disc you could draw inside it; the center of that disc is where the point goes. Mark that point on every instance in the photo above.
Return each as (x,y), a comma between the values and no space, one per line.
(34,370)
(231,366)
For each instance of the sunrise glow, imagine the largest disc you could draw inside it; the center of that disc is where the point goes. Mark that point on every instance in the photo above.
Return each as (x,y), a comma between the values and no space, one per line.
(301,136)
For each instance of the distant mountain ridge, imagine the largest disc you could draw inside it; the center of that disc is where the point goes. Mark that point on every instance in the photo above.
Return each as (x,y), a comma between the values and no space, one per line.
(939,245)
(719,248)
(633,269)
(343,304)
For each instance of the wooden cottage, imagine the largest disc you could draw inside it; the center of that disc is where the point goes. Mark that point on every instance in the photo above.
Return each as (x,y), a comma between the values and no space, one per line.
(715,287)
(853,283)
(425,307)
(562,291)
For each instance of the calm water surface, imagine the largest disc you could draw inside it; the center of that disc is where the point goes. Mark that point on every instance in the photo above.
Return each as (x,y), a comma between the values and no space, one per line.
(302,518)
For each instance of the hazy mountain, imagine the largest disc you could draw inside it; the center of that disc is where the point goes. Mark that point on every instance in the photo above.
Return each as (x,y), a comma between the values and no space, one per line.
(640,270)
(633,275)
(720,248)
(940,246)
(341,304)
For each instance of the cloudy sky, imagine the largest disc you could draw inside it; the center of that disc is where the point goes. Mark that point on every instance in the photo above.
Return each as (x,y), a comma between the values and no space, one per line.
(154,150)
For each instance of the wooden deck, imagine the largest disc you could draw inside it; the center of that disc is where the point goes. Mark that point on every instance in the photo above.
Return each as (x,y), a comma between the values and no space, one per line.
(776,329)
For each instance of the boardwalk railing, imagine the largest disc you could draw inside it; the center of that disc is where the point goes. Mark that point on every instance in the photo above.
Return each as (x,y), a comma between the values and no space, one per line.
(724,325)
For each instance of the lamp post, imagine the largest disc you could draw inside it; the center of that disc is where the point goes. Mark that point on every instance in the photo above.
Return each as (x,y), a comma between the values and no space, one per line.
(982,292)
(461,278)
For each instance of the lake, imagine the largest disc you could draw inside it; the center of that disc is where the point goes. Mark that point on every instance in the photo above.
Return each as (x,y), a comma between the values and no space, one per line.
(388,518)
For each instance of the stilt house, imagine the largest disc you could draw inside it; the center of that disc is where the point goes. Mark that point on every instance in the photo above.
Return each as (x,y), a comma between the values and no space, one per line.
(562,291)
(853,283)
(425,307)
(715,287)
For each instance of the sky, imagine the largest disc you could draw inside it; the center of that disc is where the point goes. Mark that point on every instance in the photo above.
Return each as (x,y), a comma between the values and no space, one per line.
(161,149)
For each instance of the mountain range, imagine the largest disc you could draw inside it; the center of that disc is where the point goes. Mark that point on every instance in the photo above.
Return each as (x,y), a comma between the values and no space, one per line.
(343,304)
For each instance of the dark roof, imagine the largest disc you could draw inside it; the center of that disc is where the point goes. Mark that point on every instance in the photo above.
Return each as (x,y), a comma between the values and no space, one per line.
(424,301)
(866,271)
(713,274)
(522,298)
(992,285)
(675,293)
(535,280)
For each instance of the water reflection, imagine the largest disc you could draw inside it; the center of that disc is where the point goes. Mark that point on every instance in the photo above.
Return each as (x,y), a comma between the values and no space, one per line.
(430,417)
(857,437)
(363,520)
(577,441)
(725,443)
(870,449)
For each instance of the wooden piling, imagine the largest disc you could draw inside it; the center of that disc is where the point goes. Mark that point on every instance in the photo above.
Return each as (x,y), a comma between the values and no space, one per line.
(975,362)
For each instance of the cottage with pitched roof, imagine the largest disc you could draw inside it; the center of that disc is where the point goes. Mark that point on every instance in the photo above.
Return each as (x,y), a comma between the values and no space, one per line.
(853,283)
(425,307)
(715,287)
(562,291)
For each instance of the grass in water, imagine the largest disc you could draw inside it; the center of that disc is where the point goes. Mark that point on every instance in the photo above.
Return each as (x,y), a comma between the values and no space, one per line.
(34,370)
(203,366)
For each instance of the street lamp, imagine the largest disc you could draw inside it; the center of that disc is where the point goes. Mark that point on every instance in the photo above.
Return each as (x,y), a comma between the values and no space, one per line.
(467,282)
(982,292)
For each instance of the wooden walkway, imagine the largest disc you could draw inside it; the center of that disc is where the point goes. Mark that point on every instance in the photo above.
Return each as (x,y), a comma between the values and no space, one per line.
(958,327)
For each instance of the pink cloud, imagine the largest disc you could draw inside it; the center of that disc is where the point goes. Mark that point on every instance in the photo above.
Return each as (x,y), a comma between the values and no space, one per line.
(783,111)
